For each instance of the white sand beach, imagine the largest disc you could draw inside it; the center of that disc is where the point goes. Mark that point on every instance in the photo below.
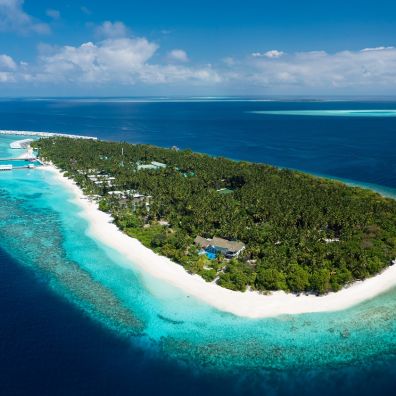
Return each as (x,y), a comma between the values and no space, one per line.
(249,304)
(27,154)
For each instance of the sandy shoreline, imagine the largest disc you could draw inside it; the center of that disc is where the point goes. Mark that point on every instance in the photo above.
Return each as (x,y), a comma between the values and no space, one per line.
(248,304)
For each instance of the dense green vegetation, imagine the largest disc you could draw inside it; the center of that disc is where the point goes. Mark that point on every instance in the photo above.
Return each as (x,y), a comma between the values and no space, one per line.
(302,233)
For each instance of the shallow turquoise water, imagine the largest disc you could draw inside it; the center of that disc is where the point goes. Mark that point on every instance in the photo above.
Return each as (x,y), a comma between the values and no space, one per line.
(331,113)
(41,228)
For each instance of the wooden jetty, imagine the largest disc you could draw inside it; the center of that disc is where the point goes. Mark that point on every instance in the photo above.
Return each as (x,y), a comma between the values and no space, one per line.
(10,167)
(30,159)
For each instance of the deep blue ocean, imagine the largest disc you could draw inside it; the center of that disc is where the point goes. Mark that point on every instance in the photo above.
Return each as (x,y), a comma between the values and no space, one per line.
(50,345)
(357,148)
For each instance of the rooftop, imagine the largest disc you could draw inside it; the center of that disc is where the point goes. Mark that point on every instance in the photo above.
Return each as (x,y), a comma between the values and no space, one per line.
(152,165)
(231,246)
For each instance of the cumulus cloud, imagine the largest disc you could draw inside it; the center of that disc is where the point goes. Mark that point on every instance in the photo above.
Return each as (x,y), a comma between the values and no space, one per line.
(117,60)
(110,60)
(170,74)
(6,77)
(7,68)
(268,54)
(110,29)
(14,18)
(273,54)
(128,60)
(376,49)
(318,69)
(178,55)
(6,62)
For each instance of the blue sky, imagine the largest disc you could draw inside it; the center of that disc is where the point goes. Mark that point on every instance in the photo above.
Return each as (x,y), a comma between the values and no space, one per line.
(100,47)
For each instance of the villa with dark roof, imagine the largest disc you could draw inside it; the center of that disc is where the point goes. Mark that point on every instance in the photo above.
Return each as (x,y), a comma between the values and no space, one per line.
(214,246)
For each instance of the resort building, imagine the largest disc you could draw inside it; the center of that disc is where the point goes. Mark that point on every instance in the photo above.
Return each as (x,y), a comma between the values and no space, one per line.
(214,246)
(116,193)
(107,183)
(154,165)
(158,164)
(131,199)
(101,180)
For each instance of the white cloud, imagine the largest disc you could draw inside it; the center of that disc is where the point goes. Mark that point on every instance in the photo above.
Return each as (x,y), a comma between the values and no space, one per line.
(6,62)
(178,55)
(120,60)
(268,54)
(175,74)
(376,49)
(6,77)
(14,18)
(110,60)
(7,68)
(273,54)
(54,14)
(110,29)
(124,61)
(318,69)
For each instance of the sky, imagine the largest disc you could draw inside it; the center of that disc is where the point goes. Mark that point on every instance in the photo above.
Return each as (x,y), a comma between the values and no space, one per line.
(217,47)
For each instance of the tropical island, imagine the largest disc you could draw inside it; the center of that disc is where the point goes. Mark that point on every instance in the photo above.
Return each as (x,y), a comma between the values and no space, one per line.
(241,225)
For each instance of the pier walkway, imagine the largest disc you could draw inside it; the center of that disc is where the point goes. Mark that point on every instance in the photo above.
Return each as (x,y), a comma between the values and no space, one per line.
(19,159)
(5,168)
(24,167)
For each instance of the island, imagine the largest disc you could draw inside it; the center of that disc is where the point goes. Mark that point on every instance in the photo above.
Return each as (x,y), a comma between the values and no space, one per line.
(238,224)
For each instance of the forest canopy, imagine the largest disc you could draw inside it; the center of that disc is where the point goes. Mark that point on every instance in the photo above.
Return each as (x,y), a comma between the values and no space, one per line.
(302,233)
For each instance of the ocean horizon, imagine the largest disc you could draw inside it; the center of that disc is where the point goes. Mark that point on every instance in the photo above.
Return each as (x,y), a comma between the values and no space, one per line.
(76,319)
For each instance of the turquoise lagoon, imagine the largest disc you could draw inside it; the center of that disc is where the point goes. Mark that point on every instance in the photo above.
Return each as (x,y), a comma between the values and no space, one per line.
(41,228)
(331,113)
